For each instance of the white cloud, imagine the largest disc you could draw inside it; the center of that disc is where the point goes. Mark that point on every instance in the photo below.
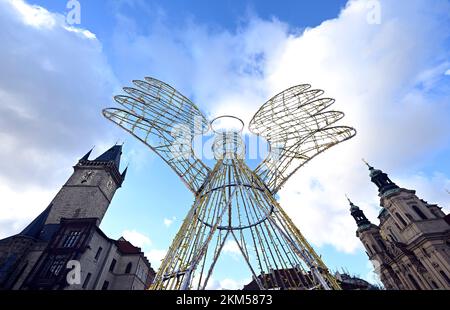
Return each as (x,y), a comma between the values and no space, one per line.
(374,74)
(33,15)
(83,32)
(20,207)
(169,222)
(54,80)
(155,256)
(136,238)
(447,72)
(231,248)
(53,84)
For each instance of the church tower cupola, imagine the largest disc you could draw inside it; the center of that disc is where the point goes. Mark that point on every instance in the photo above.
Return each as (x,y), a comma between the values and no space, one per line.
(381,180)
(358,215)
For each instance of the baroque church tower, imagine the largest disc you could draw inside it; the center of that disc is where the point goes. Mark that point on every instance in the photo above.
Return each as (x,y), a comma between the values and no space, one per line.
(410,248)
(68,230)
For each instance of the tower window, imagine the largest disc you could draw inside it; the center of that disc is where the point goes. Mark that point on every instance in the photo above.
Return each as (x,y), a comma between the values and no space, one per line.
(86,281)
(99,251)
(105,285)
(72,239)
(414,282)
(77,213)
(419,212)
(425,252)
(400,218)
(444,275)
(128,268)
(55,266)
(391,236)
(369,250)
(409,217)
(381,244)
(434,285)
(113,264)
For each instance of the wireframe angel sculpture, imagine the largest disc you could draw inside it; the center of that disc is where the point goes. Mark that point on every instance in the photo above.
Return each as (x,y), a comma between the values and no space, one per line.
(232,202)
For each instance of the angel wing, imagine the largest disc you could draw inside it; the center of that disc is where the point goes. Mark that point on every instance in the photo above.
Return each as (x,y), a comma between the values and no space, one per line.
(166,121)
(298,128)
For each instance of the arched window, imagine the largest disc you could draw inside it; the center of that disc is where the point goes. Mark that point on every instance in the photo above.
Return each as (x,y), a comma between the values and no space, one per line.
(128,268)
(434,285)
(414,282)
(381,244)
(400,218)
(374,249)
(409,216)
(369,250)
(393,238)
(419,213)
(392,235)
(444,275)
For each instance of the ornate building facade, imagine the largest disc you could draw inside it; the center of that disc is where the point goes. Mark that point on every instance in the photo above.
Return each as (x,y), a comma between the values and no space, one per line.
(410,247)
(67,231)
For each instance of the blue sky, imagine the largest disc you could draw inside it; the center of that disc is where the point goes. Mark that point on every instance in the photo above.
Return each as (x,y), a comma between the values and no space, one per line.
(390,78)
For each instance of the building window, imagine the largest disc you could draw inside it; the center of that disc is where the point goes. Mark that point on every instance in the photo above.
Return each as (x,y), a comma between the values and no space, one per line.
(444,275)
(409,216)
(128,268)
(374,249)
(105,285)
(400,218)
(392,236)
(435,285)
(425,252)
(414,282)
(77,213)
(99,251)
(55,267)
(113,264)
(419,213)
(72,239)
(381,244)
(369,251)
(86,281)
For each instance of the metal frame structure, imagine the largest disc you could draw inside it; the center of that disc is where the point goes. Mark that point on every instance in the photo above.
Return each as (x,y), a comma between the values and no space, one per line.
(297,128)
(232,202)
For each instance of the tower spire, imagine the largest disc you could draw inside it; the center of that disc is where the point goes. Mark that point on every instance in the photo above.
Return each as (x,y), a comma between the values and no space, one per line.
(86,157)
(349,201)
(124,173)
(367,164)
